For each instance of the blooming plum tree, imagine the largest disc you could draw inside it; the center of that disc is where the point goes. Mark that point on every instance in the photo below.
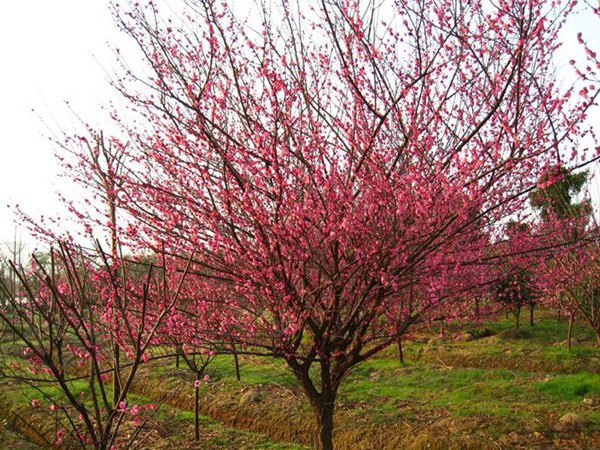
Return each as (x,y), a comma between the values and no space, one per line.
(517,285)
(572,281)
(330,158)
(564,219)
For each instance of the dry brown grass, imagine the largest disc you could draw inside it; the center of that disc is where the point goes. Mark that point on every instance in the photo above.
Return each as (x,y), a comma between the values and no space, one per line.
(282,414)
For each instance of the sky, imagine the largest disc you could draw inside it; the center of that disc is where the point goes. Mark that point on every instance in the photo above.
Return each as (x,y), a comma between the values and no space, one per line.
(59,51)
(51,52)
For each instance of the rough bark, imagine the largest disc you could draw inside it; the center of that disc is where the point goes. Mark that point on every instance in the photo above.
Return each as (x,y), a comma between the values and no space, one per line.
(237,363)
(325,422)
(531,307)
(322,402)
(400,350)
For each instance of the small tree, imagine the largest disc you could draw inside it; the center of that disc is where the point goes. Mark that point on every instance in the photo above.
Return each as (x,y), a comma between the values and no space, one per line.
(67,326)
(189,330)
(572,280)
(516,291)
(563,219)
(516,287)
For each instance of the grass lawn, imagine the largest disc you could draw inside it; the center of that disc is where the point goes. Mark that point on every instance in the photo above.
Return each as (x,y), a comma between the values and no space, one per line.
(506,388)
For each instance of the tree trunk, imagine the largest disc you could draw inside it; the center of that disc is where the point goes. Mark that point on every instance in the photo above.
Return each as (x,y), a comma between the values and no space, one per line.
(325,424)
(112,210)
(237,363)
(517,316)
(116,382)
(323,402)
(178,351)
(570,331)
(531,306)
(400,351)
(197,407)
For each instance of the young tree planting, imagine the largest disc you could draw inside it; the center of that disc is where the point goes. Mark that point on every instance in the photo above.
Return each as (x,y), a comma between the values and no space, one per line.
(517,286)
(574,281)
(564,219)
(323,161)
(64,314)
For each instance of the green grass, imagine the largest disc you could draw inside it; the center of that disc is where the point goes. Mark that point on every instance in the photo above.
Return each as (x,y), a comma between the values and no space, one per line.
(513,395)
(213,435)
(463,392)
(254,371)
(481,382)
(46,393)
(547,331)
(539,348)
(571,387)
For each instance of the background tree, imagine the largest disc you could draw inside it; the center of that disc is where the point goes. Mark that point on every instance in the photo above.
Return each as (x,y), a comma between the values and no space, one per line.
(562,219)
(517,287)
(66,325)
(95,163)
(572,279)
(554,198)
(515,292)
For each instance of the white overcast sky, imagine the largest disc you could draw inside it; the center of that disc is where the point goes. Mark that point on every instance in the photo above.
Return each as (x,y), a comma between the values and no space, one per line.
(51,52)
(54,51)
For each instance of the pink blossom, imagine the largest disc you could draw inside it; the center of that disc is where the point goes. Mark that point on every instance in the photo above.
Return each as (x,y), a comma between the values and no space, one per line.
(59,437)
